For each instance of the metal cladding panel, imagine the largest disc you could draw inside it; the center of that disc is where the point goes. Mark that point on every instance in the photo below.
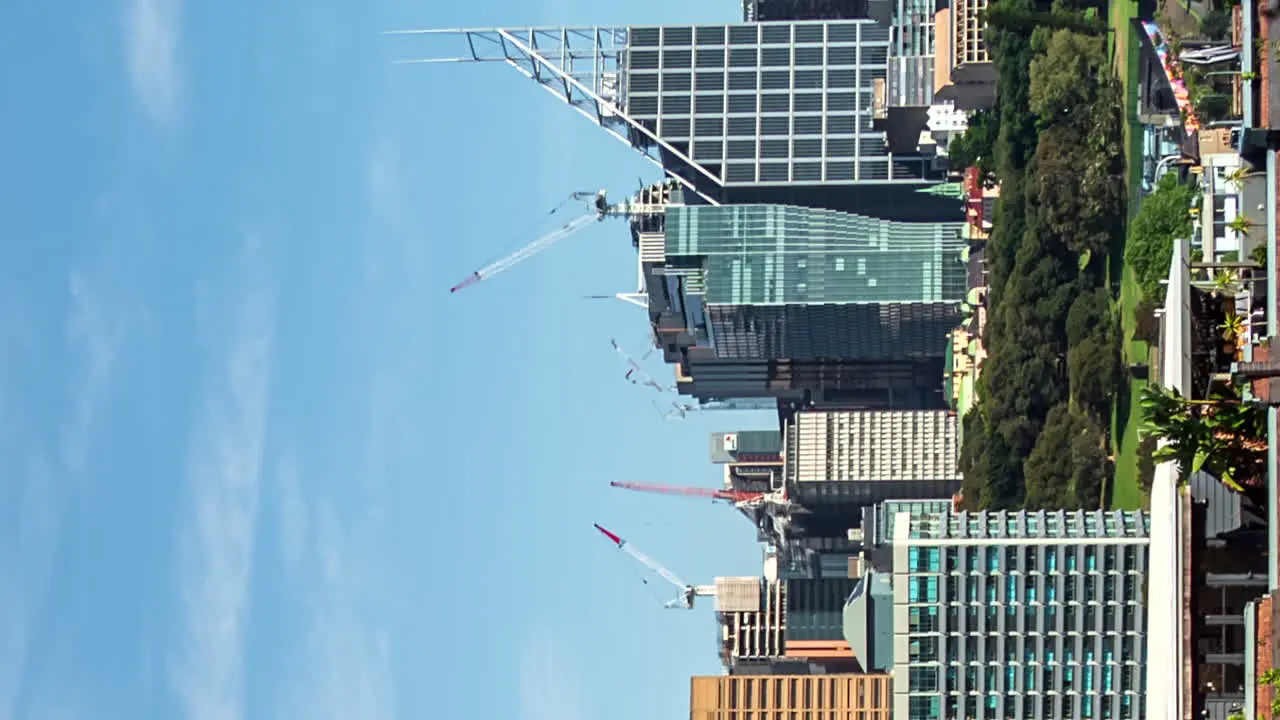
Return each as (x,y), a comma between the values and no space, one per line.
(737,594)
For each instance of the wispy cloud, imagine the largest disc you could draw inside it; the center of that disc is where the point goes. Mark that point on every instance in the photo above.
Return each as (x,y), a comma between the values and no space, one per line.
(217,545)
(98,327)
(550,684)
(152,29)
(46,469)
(345,670)
(294,516)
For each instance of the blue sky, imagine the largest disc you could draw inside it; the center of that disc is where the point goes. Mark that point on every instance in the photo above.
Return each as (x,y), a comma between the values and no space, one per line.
(259,463)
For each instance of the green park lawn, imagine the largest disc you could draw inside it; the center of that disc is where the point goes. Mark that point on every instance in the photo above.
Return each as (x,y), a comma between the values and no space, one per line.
(1125,490)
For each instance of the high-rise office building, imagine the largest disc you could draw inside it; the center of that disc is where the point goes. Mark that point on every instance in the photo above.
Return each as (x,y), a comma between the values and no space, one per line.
(1034,615)
(806,305)
(829,697)
(917,448)
(750,107)
(782,112)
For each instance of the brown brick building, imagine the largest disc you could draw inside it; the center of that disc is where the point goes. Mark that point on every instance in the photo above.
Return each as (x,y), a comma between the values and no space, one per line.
(790,697)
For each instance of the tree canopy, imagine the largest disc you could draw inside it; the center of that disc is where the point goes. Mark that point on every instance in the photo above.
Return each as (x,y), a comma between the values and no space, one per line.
(1163,216)
(1036,435)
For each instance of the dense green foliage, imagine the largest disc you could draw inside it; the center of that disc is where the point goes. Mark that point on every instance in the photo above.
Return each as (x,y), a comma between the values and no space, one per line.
(1220,436)
(1036,435)
(1163,216)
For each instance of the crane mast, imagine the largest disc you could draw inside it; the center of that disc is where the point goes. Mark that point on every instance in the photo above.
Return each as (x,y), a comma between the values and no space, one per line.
(687,592)
(741,498)
(599,210)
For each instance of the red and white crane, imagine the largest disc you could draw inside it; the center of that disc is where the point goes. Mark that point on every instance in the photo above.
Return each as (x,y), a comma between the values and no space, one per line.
(687,592)
(740,498)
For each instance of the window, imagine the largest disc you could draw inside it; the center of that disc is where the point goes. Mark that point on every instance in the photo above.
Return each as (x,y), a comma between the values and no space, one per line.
(922,679)
(923,559)
(923,619)
(924,649)
(923,707)
(993,560)
(1071,560)
(1051,559)
(1090,558)
(922,589)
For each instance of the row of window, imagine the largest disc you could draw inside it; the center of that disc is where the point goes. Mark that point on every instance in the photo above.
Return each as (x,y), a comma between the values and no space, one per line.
(1056,524)
(1035,619)
(1108,650)
(746,81)
(925,707)
(744,104)
(1025,559)
(832,170)
(756,33)
(1107,679)
(750,57)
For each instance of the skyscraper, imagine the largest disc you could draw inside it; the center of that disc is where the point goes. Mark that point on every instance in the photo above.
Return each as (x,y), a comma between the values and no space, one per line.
(803,304)
(787,112)
(1034,615)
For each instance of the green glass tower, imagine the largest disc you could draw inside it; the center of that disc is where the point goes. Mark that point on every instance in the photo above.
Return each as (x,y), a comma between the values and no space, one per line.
(776,281)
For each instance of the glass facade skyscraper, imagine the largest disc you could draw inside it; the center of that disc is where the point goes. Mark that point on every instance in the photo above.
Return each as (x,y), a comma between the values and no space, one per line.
(774,103)
(1019,614)
(771,281)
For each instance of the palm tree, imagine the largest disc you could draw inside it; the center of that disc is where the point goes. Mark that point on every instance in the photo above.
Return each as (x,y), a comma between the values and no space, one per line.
(1233,329)
(1224,283)
(1241,223)
(1237,176)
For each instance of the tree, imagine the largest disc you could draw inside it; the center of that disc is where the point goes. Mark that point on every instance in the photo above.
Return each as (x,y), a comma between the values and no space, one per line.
(1065,79)
(1215,24)
(1069,464)
(975,147)
(1089,314)
(1162,218)
(1093,368)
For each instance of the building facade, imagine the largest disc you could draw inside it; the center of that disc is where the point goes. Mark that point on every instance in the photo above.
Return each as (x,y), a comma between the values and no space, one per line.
(802,304)
(1013,615)
(770,103)
(785,619)
(831,697)
(853,459)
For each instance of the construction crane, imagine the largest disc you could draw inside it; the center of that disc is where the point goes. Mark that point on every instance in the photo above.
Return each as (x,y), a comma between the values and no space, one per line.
(688,592)
(636,374)
(600,209)
(682,410)
(740,498)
